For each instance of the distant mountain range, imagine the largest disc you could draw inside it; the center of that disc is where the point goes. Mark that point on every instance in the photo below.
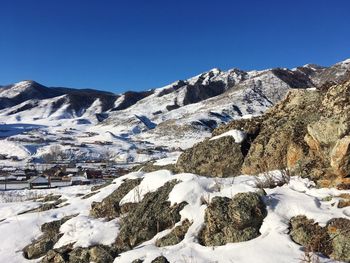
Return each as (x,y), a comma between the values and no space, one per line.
(203,101)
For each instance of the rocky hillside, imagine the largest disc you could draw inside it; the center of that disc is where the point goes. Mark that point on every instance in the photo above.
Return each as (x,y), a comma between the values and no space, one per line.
(270,187)
(308,133)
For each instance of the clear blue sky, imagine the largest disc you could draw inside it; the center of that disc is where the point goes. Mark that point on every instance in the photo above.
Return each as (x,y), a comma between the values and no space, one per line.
(142,44)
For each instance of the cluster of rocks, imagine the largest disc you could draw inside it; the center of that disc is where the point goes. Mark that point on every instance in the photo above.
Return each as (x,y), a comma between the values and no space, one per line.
(308,132)
(139,222)
(226,220)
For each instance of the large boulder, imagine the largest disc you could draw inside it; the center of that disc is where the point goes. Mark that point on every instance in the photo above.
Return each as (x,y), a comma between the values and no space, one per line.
(309,234)
(339,232)
(151,216)
(221,157)
(109,207)
(333,240)
(232,220)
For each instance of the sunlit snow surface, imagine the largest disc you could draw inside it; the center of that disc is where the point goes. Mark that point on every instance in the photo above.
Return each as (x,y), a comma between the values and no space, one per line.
(274,245)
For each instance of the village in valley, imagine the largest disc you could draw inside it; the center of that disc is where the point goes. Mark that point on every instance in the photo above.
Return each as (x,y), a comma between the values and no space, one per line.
(40,176)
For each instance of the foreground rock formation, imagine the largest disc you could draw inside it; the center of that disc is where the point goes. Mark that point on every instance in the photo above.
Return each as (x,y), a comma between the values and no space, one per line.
(233,220)
(333,240)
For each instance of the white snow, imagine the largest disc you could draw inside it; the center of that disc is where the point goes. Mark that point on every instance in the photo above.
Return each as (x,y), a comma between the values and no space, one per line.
(274,245)
(239,136)
(85,231)
(171,159)
(15,90)
(10,148)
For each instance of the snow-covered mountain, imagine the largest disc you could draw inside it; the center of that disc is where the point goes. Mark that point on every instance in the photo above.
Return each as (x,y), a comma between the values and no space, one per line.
(176,115)
(235,92)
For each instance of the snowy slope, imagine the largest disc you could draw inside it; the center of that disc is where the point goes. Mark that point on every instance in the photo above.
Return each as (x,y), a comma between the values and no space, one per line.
(299,197)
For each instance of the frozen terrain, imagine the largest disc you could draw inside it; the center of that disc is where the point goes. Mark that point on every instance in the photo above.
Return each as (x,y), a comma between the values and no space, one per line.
(136,127)
(273,245)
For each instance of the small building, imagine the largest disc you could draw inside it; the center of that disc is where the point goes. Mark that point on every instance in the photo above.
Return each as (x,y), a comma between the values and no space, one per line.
(11,178)
(29,173)
(39,182)
(93,174)
(79,180)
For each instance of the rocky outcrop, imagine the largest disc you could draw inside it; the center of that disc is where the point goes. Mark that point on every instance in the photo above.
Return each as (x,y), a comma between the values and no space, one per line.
(149,217)
(308,133)
(109,207)
(333,240)
(45,242)
(175,236)
(232,220)
(222,157)
(280,140)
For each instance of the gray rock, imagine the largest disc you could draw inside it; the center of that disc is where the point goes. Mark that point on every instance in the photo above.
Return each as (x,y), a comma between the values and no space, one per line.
(232,220)
(220,158)
(45,242)
(175,236)
(109,207)
(339,231)
(309,234)
(333,240)
(151,216)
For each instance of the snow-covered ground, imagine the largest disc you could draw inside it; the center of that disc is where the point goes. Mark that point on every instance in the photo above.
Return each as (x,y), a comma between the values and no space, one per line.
(299,197)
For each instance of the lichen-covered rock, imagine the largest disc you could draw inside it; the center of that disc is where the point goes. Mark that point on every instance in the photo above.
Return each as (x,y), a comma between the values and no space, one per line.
(310,235)
(45,242)
(101,254)
(160,259)
(222,157)
(232,220)
(344,201)
(151,216)
(79,255)
(109,208)
(51,198)
(175,236)
(39,247)
(68,254)
(333,240)
(308,133)
(59,255)
(339,232)
(280,141)
(340,156)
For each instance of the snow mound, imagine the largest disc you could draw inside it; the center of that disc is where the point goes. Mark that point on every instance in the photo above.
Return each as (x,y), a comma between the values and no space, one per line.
(85,231)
